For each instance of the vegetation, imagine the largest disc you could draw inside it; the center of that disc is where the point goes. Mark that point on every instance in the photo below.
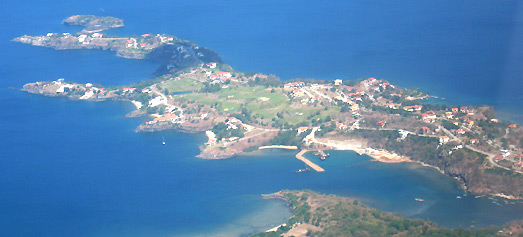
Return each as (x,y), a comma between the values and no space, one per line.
(338,216)
(223,131)
(288,138)
(181,85)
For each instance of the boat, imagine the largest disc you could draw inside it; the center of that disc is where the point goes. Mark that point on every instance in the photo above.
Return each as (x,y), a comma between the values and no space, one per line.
(163,141)
(458,197)
(303,170)
(419,200)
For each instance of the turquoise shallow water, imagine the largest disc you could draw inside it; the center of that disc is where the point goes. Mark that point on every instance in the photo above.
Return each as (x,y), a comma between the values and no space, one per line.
(77,168)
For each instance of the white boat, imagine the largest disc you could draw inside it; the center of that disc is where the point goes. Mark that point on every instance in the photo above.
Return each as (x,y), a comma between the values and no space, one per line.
(419,199)
(163,141)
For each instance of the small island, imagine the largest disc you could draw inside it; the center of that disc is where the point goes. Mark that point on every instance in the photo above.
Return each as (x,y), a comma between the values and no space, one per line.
(239,112)
(329,215)
(94,24)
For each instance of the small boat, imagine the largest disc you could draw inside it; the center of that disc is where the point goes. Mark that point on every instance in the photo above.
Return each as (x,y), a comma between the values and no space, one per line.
(163,141)
(419,200)
(477,197)
(302,170)
(322,158)
(458,197)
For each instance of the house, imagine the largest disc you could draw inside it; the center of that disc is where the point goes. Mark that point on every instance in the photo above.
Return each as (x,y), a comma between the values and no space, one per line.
(341,126)
(142,45)
(340,98)
(455,110)
(211,65)
(222,75)
(428,117)
(129,44)
(449,115)
(403,134)
(470,123)
(173,118)
(146,90)
(460,131)
(88,94)
(298,93)
(372,80)
(170,38)
(513,126)
(474,141)
(413,108)
(128,90)
(203,115)
(464,109)
(146,35)
(375,88)
(385,85)
(393,106)
(97,35)
(358,92)
(381,123)
(294,84)
(234,120)
(81,38)
(302,129)
(444,139)
(494,120)
(338,82)
(425,130)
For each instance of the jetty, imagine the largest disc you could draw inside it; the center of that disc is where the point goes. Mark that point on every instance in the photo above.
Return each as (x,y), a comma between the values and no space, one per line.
(300,156)
(278,147)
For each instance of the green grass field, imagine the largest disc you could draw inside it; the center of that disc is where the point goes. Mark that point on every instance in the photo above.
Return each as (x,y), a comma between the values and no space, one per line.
(262,104)
(184,84)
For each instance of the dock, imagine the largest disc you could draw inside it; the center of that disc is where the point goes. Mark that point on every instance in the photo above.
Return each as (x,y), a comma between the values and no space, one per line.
(300,156)
(278,147)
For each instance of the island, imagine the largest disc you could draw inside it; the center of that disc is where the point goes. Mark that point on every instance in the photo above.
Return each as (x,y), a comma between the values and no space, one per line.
(194,91)
(329,215)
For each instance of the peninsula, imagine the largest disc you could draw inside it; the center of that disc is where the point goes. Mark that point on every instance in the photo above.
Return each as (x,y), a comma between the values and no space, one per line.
(239,112)
(328,215)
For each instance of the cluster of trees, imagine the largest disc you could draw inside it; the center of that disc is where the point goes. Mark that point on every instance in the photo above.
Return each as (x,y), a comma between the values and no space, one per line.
(221,130)
(210,87)
(288,138)
(270,81)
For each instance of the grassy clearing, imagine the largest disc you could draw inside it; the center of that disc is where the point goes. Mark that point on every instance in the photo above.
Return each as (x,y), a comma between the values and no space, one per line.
(184,84)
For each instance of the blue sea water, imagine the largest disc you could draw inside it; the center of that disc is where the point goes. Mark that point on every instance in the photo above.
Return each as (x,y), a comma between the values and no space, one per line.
(78,168)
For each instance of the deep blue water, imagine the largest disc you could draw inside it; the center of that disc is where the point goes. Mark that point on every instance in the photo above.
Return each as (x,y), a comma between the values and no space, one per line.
(77,168)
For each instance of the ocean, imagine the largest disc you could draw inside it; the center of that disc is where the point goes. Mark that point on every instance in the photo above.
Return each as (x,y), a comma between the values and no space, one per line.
(78,168)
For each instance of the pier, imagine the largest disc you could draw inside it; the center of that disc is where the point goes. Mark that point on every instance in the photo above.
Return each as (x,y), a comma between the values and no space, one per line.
(278,147)
(300,156)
